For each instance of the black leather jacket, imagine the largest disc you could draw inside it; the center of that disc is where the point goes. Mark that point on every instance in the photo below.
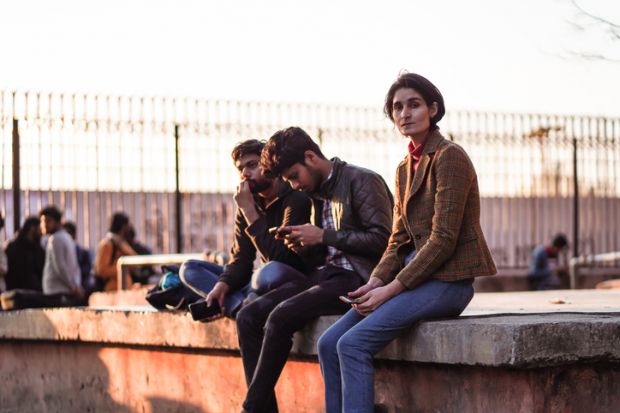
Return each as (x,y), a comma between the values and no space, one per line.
(362,209)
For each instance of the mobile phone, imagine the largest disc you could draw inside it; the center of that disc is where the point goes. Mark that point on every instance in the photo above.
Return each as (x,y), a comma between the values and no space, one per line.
(282,231)
(200,311)
(349,300)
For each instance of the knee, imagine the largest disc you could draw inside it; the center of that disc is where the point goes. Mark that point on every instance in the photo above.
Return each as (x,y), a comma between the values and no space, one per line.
(348,344)
(326,344)
(245,318)
(280,320)
(273,274)
(187,269)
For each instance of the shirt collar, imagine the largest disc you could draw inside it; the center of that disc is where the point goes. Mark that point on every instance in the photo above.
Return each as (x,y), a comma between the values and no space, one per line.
(416,152)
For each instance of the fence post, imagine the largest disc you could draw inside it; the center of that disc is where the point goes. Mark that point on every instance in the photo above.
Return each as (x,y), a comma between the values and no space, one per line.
(16,184)
(177,193)
(575,202)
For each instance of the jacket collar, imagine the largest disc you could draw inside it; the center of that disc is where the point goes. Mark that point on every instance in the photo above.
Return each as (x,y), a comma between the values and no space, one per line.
(432,142)
(432,145)
(326,189)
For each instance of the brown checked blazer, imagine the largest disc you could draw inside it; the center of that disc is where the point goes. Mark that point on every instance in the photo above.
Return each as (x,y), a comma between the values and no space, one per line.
(437,213)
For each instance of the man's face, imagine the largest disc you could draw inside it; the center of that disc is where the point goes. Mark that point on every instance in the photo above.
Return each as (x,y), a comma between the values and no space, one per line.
(302,177)
(248,167)
(48,225)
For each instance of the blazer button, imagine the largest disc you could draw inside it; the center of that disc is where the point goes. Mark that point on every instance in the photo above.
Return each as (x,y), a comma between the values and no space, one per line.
(418,237)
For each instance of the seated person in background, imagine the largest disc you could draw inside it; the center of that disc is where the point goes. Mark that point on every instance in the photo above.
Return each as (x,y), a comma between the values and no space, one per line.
(262,203)
(61,273)
(83,257)
(110,249)
(541,274)
(26,257)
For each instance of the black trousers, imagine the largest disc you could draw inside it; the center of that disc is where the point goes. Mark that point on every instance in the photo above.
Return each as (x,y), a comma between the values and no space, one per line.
(265,327)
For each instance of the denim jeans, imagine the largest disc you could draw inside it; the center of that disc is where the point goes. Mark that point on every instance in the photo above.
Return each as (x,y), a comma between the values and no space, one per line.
(201,276)
(346,349)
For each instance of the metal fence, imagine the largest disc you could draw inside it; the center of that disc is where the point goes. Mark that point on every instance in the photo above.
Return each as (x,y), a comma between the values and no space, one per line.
(166,162)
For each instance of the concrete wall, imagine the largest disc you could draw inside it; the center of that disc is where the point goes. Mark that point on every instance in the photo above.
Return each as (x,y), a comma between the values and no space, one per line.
(50,377)
(138,360)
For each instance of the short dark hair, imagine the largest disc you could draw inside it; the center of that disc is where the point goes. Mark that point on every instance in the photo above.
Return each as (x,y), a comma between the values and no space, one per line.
(70,227)
(559,241)
(286,148)
(118,221)
(249,147)
(30,222)
(424,87)
(51,211)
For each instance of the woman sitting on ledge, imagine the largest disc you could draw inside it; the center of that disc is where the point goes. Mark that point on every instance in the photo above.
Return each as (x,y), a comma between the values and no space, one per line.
(435,250)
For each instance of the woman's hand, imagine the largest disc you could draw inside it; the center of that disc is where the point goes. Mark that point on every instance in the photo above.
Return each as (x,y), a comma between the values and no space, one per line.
(370,285)
(373,299)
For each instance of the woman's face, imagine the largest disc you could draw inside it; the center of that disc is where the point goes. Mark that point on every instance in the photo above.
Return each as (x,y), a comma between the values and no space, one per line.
(411,114)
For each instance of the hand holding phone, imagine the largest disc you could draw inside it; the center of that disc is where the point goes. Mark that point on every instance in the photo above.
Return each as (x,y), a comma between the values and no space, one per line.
(200,311)
(280,232)
(349,300)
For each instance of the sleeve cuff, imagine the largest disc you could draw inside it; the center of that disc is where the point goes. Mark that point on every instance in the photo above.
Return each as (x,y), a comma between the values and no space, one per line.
(256,227)
(330,237)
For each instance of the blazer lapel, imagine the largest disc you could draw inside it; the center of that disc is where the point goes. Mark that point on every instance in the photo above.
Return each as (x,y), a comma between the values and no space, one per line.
(430,147)
(419,174)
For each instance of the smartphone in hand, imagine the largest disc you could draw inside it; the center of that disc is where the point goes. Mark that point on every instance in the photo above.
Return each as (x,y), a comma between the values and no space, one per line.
(200,311)
(349,300)
(280,231)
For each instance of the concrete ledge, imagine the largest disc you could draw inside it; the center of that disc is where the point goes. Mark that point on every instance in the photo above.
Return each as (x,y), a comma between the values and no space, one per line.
(559,354)
(532,340)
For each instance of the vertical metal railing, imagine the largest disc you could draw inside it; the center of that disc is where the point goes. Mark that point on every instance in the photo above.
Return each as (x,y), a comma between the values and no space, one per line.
(165,161)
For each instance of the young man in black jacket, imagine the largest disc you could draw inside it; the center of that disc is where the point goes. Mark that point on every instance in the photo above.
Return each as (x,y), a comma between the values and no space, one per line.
(352,221)
(262,203)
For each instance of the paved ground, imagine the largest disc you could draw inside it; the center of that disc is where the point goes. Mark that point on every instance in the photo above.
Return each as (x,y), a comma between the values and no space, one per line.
(554,301)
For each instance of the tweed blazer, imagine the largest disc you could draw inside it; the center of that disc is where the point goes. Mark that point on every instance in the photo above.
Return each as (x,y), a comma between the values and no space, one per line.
(437,213)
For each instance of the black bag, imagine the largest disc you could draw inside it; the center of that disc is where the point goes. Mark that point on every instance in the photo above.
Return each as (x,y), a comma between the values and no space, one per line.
(170,293)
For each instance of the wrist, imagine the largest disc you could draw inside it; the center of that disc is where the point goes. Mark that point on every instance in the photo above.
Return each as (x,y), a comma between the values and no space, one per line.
(375,282)
(221,285)
(396,287)
(250,213)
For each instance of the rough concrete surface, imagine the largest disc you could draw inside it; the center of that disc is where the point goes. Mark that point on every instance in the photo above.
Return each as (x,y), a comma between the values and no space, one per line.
(502,340)
(544,357)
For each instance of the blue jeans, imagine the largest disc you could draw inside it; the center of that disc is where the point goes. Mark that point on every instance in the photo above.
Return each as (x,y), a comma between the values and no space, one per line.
(346,349)
(201,276)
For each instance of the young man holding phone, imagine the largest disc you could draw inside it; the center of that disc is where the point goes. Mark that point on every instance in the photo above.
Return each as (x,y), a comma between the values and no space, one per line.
(261,203)
(352,219)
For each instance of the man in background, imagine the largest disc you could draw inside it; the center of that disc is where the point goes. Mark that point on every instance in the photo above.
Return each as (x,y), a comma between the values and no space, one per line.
(543,267)
(84,262)
(61,273)
(26,257)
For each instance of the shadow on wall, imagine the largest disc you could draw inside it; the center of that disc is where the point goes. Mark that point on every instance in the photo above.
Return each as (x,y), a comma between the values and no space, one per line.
(54,377)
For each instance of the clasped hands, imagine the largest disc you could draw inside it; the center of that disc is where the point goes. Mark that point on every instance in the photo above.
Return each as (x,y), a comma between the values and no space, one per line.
(373,294)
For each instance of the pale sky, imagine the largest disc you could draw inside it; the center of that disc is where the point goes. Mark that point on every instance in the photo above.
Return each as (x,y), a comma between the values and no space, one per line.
(482,54)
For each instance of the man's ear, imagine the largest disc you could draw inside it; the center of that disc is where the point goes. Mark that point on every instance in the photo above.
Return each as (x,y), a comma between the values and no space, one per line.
(310,158)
